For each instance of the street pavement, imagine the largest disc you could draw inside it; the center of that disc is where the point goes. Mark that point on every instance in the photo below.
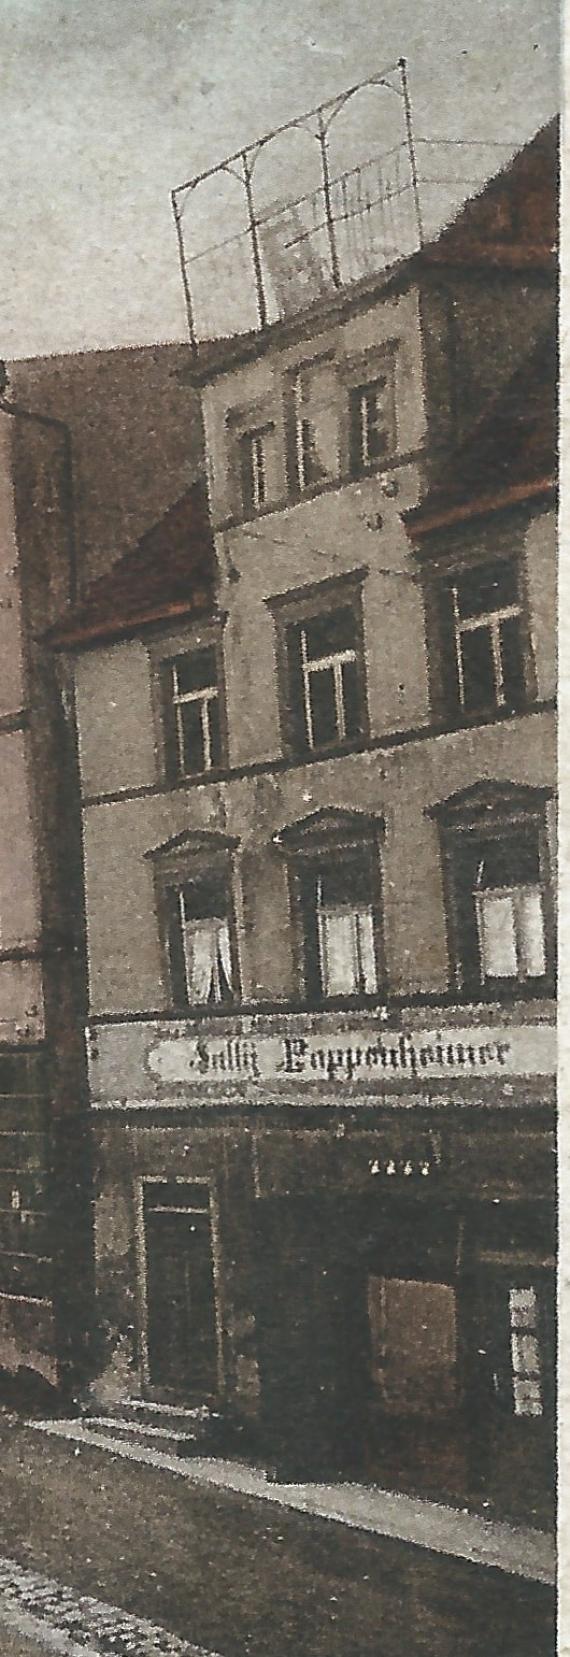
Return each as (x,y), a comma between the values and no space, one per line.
(39,1614)
(242,1576)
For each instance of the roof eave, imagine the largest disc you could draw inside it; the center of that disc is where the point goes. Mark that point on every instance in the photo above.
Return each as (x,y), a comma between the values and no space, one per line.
(420,527)
(88,637)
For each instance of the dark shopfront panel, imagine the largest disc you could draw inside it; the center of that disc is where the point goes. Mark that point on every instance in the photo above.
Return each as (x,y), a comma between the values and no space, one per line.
(409,1341)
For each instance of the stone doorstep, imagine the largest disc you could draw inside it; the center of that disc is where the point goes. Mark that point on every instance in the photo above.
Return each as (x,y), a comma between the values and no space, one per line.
(516,1550)
(169,1438)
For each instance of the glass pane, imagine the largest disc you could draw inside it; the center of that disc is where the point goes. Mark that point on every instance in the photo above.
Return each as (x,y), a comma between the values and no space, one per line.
(368,977)
(487,589)
(197,671)
(215,731)
(338,952)
(323,708)
(509,860)
(189,716)
(413,1338)
(329,633)
(205,900)
(525,1356)
(346,881)
(497,935)
(527,1397)
(479,680)
(200,938)
(351,697)
(531,932)
(522,1307)
(512,661)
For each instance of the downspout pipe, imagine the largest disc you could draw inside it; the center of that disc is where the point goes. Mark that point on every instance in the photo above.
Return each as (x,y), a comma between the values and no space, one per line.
(53,423)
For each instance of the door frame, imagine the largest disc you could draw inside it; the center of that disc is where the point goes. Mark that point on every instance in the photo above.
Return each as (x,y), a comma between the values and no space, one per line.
(164,1394)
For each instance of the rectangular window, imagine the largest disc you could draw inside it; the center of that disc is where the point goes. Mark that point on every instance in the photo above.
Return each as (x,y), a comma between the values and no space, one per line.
(254,470)
(325,661)
(488,638)
(500,914)
(525,1353)
(509,911)
(340,927)
(315,424)
(202,940)
(372,422)
(195,701)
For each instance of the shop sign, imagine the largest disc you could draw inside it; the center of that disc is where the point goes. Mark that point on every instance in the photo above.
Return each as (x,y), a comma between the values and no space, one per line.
(360,1057)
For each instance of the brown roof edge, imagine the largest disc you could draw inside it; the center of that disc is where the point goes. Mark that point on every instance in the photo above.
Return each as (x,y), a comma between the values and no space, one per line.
(446,516)
(62,637)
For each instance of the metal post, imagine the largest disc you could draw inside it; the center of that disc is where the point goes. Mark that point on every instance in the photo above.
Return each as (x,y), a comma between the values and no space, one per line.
(258,272)
(403,68)
(184,273)
(322,136)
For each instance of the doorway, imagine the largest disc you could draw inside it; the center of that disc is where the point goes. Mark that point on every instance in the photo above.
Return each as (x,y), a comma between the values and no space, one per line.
(181,1321)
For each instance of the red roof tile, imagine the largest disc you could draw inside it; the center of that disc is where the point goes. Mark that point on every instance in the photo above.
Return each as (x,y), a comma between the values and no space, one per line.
(170,572)
(514,218)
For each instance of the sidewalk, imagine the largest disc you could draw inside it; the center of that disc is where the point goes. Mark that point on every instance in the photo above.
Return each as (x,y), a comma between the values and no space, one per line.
(217,1554)
(519,1551)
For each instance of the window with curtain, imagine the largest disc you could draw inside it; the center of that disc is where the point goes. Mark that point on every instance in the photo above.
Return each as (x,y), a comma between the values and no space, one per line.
(201,943)
(340,926)
(501,932)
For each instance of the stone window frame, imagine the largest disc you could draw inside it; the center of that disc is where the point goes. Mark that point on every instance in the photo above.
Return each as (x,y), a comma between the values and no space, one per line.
(194,858)
(492,811)
(307,843)
(289,610)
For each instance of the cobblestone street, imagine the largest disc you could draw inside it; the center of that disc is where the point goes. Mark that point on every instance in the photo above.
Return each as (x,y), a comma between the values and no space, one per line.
(39,1613)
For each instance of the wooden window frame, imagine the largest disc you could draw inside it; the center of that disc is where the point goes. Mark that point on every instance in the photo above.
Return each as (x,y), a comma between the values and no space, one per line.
(309,848)
(171,744)
(502,820)
(291,612)
(440,582)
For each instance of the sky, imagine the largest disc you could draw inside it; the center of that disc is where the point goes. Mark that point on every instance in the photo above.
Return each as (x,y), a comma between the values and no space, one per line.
(109,104)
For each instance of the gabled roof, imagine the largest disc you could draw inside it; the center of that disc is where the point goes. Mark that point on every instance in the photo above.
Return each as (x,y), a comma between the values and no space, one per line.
(169,573)
(510,456)
(513,220)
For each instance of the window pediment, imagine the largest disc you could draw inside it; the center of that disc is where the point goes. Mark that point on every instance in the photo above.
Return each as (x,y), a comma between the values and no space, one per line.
(194,842)
(326,828)
(489,800)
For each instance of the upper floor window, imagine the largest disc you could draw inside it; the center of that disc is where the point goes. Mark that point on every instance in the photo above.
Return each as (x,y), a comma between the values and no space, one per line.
(315,430)
(488,637)
(496,861)
(339,905)
(336,876)
(194,691)
(204,921)
(373,420)
(254,470)
(326,678)
(193,882)
(479,648)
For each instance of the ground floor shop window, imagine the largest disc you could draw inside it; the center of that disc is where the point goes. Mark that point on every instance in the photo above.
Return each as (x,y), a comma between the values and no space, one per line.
(181,1325)
(414,1340)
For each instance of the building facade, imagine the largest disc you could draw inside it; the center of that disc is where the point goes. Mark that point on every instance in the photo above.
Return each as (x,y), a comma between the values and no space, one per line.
(317,784)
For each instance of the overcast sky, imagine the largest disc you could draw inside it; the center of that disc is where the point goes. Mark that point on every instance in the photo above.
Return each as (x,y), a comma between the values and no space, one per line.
(107,104)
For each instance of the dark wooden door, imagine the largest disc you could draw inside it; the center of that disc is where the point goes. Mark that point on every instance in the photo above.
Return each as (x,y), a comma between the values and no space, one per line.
(181,1310)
